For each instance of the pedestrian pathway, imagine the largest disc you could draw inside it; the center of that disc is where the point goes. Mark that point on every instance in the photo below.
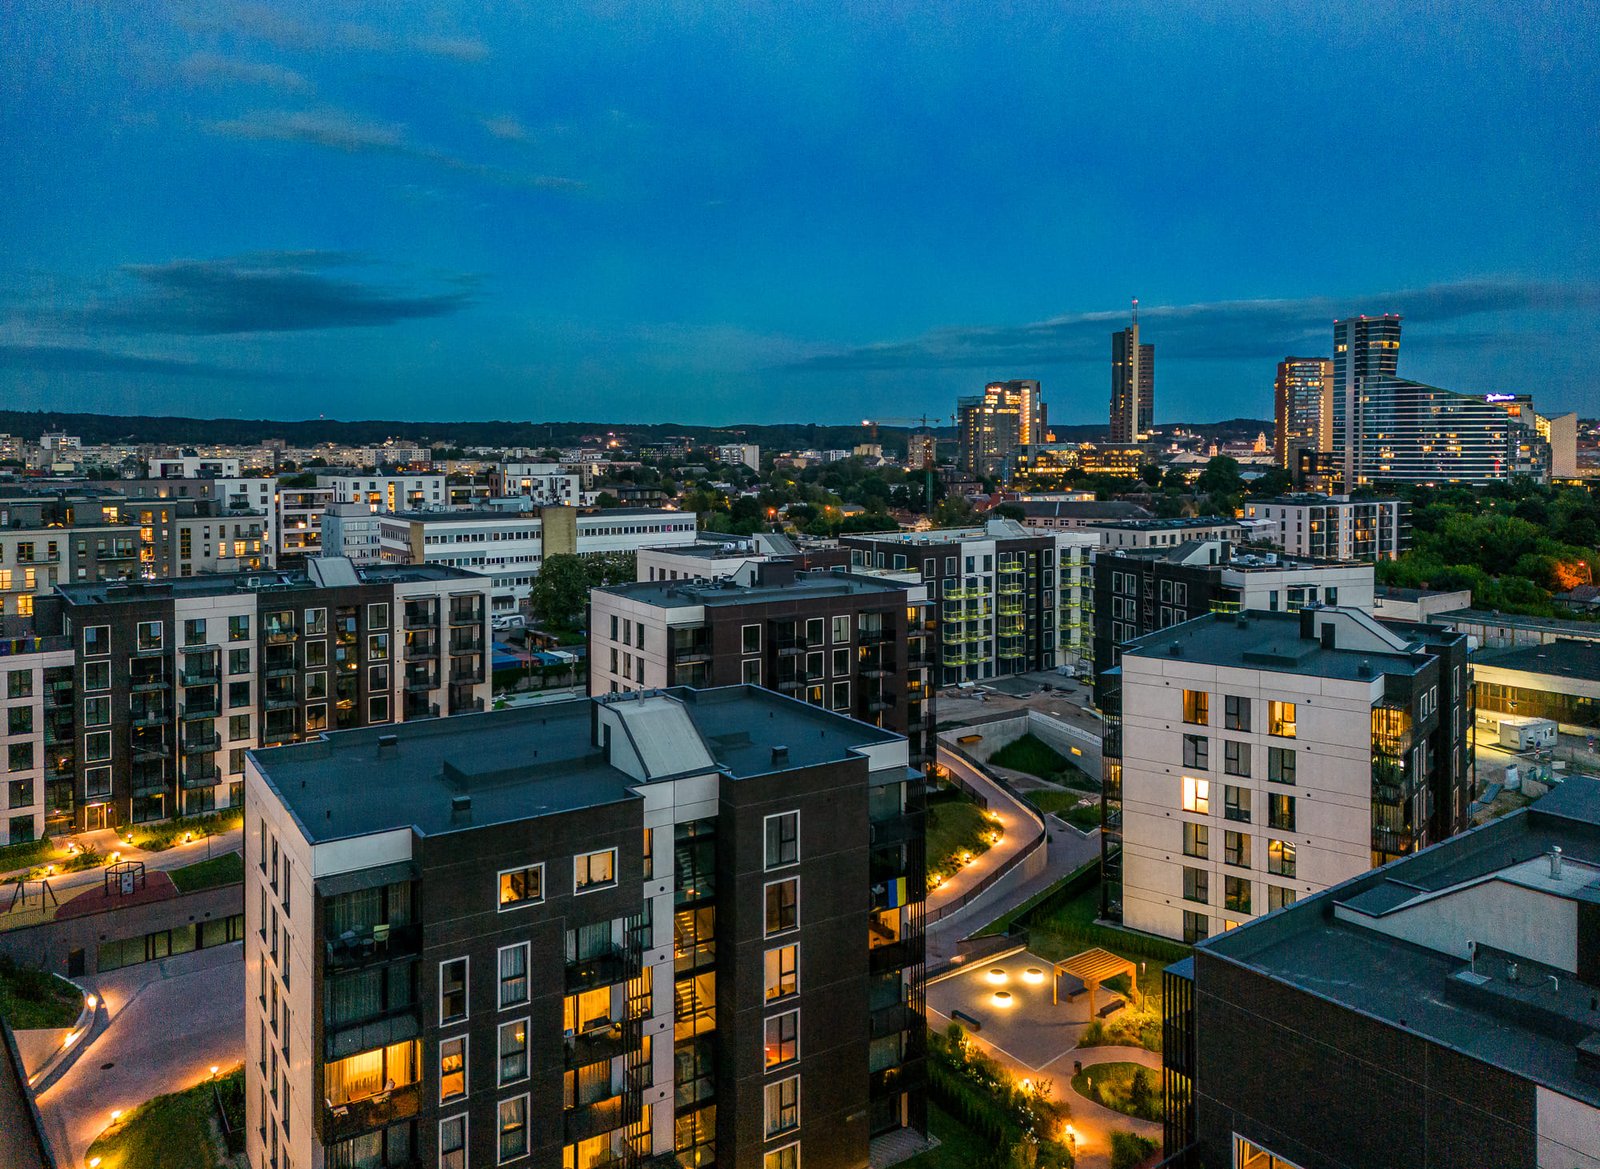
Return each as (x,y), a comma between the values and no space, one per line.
(1016,822)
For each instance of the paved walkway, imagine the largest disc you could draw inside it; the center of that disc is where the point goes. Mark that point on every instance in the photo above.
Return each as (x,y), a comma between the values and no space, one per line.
(1016,821)
(1094,1122)
(170,1023)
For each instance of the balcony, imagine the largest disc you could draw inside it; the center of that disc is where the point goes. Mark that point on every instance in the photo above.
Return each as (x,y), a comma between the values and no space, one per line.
(356,950)
(790,647)
(423,618)
(874,636)
(466,706)
(380,1111)
(200,647)
(416,710)
(467,643)
(151,751)
(149,683)
(466,616)
(419,682)
(601,1043)
(192,675)
(603,1116)
(689,655)
(201,744)
(896,955)
(281,701)
(394,1026)
(617,964)
(202,775)
(421,650)
(148,717)
(469,675)
(206,708)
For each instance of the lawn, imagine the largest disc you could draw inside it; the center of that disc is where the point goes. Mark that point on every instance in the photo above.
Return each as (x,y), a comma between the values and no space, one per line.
(959,1147)
(955,826)
(1036,757)
(26,855)
(1128,1088)
(162,836)
(33,998)
(227,869)
(1065,804)
(169,1132)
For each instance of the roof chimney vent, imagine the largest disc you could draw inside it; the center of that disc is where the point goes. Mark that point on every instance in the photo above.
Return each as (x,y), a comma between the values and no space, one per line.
(1364,670)
(780,754)
(1555,862)
(388,744)
(460,809)
(1175,650)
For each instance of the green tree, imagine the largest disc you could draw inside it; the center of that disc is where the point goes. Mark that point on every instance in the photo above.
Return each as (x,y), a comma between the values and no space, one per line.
(561,589)
(953,512)
(1220,477)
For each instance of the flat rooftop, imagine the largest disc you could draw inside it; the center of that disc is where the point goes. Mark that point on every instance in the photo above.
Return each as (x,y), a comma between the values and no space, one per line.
(541,760)
(1564,656)
(1182,523)
(690,593)
(1261,640)
(1589,630)
(1529,1027)
(265,580)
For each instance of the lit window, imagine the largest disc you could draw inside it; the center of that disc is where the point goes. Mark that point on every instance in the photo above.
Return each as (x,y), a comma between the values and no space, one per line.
(1281,719)
(594,870)
(782,1039)
(782,972)
(513,1051)
(1196,707)
(513,1129)
(520,887)
(1197,795)
(783,1107)
(452,1068)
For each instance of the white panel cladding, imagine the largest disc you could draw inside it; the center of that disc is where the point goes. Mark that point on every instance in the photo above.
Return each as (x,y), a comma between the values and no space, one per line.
(1541,927)
(361,852)
(1568,1132)
(631,614)
(1332,792)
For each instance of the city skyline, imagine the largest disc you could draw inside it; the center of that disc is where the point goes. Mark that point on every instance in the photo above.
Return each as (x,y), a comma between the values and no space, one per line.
(701,216)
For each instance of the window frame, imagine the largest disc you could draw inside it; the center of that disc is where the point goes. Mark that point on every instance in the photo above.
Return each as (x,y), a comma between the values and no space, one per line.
(466,1125)
(766,930)
(1196,795)
(1196,703)
(465,1040)
(777,1021)
(767,864)
(500,976)
(500,1053)
(794,973)
(500,1130)
(594,886)
(771,1131)
(466,986)
(507,907)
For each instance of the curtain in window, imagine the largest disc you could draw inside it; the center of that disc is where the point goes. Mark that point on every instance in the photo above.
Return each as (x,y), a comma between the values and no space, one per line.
(355,996)
(357,912)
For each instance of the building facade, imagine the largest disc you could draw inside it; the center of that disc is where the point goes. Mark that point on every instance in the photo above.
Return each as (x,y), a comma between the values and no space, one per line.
(1254,758)
(1364,349)
(864,646)
(991,426)
(1052,460)
(1302,398)
(38,733)
(385,492)
(1159,533)
(173,681)
(684,925)
(1010,600)
(1457,987)
(54,537)
(300,511)
(1133,385)
(1336,527)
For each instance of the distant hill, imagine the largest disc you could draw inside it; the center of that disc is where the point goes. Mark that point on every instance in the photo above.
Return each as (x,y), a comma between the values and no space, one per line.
(114,428)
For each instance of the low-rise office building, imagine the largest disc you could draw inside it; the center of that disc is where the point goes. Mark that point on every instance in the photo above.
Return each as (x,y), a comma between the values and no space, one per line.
(508,546)
(1336,527)
(682,924)
(1438,1013)
(1254,758)
(861,645)
(1557,680)
(1141,591)
(1010,600)
(173,681)
(1054,459)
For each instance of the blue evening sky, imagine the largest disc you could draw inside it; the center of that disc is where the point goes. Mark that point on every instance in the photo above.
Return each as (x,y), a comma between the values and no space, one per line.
(730,212)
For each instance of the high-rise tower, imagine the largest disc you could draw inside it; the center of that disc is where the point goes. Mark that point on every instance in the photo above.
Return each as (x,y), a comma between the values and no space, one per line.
(1302,409)
(1133,384)
(1008,415)
(1364,348)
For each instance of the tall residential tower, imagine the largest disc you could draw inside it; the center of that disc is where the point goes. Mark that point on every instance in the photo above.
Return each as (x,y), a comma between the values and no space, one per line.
(1007,415)
(1302,409)
(1364,348)
(1133,384)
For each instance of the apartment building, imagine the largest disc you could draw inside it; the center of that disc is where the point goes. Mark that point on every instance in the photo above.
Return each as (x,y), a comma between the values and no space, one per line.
(1076,514)
(1140,591)
(37,734)
(1336,527)
(992,425)
(715,555)
(861,645)
(509,546)
(189,536)
(746,453)
(1051,460)
(1252,759)
(230,493)
(300,511)
(194,467)
(1438,1013)
(382,492)
(1167,533)
(173,681)
(353,531)
(1010,600)
(682,924)
(523,478)
(50,537)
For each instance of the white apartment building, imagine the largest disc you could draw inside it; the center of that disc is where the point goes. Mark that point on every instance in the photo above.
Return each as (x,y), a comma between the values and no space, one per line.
(233,492)
(546,484)
(353,531)
(715,555)
(1335,527)
(1155,533)
(35,695)
(194,467)
(386,492)
(510,546)
(299,516)
(747,453)
(1252,759)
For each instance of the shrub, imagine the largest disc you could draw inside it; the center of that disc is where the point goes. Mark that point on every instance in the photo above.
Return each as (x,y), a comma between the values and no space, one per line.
(1129,1149)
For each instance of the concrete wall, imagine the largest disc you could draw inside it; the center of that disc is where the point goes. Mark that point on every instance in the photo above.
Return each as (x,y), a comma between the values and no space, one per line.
(1060,736)
(48,945)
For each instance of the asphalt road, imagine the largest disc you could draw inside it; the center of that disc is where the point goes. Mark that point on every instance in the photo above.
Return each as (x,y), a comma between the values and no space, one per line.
(171,1022)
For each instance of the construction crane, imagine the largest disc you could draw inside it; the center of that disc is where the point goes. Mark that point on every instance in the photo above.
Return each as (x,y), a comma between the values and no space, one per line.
(926,423)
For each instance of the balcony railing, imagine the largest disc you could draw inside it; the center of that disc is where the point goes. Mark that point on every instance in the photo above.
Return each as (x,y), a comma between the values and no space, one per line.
(602,1043)
(380,1111)
(204,775)
(194,744)
(470,643)
(603,1116)
(421,650)
(472,616)
(618,964)
(192,675)
(468,674)
(146,718)
(209,708)
(419,619)
(354,950)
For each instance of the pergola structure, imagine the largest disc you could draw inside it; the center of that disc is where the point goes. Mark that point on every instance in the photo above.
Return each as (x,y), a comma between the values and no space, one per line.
(1092,967)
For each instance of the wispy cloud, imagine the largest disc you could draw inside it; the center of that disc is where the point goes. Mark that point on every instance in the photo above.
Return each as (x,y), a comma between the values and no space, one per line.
(273,292)
(83,359)
(506,127)
(1214,330)
(217,69)
(264,22)
(338,129)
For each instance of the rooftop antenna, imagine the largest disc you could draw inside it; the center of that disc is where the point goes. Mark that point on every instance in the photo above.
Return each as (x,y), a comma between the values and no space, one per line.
(1136,310)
